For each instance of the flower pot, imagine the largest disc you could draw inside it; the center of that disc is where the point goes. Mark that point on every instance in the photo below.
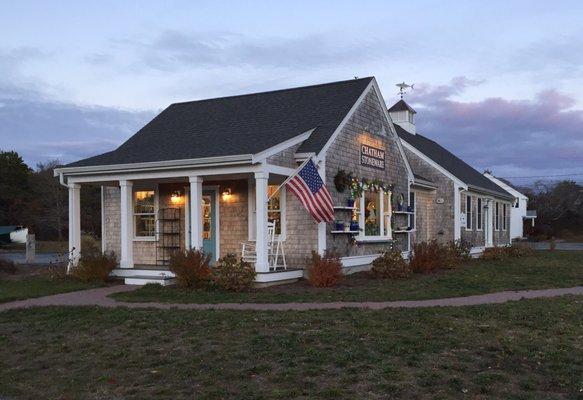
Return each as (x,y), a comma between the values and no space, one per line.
(350,202)
(339,225)
(354,226)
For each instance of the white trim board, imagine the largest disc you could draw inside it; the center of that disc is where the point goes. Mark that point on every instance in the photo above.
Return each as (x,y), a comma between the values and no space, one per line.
(344,121)
(278,148)
(392,127)
(194,162)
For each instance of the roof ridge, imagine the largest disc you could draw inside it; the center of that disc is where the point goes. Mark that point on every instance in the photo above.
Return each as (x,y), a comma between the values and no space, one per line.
(274,91)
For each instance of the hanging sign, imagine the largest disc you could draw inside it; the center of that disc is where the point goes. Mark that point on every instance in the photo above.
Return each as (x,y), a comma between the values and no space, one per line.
(372,156)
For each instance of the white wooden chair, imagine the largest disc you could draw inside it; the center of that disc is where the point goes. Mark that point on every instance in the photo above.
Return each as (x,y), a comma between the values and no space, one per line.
(274,249)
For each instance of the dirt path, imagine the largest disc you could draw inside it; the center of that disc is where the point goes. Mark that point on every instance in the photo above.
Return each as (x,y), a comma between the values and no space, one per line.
(98,297)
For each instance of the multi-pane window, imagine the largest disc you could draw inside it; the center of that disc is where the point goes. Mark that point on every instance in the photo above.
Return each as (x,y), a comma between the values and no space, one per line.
(497,216)
(373,212)
(274,208)
(144,213)
(504,218)
(479,214)
(469,212)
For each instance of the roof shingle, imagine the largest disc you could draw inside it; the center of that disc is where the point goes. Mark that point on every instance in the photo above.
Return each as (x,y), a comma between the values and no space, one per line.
(453,164)
(238,125)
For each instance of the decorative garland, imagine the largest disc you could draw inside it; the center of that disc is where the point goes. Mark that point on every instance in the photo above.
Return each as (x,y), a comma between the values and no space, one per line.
(357,186)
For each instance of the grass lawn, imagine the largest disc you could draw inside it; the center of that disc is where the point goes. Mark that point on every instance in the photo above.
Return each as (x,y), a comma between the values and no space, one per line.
(38,286)
(532,349)
(34,281)
(542,270)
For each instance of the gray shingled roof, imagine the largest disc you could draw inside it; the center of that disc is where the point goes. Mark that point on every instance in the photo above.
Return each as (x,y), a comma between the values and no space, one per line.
(238,125)
(402,105)
(451,163)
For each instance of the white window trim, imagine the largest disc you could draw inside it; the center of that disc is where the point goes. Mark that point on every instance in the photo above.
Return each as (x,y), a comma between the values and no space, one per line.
(470,214)
(361,237)
(496,216)
(252,207)
(480,207)
(153,238)
(414,216)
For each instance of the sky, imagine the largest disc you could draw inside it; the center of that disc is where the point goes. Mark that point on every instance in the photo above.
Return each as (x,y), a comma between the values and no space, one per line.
(499,83)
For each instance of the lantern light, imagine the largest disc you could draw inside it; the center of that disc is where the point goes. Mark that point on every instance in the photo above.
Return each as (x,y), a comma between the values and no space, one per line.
(227,194)
(176,197)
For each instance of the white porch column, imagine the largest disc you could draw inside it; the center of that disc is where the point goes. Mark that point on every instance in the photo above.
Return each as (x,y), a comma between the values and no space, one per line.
(262,263)
(195,200)
(74,224)
(322,225)
(127,224)
(457,223)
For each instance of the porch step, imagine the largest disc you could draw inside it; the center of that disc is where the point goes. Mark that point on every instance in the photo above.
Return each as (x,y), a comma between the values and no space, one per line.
(145,279)
(149,272)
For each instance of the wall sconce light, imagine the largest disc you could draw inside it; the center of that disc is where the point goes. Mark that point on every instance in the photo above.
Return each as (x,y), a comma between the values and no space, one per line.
(176,197)
(227,194)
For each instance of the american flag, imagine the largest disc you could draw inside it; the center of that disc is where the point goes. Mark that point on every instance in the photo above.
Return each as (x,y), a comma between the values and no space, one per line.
(311,191)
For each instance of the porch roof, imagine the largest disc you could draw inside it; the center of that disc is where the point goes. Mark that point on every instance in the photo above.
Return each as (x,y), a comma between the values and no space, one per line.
(238,125)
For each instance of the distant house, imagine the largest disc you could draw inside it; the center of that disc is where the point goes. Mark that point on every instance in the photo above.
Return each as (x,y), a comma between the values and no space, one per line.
(453,200)
(519,212)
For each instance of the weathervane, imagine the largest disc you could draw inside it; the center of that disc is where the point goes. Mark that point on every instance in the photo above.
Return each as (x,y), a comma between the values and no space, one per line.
(403,88)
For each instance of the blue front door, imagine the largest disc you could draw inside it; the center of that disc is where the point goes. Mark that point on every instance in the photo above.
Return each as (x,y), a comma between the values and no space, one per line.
(209,215)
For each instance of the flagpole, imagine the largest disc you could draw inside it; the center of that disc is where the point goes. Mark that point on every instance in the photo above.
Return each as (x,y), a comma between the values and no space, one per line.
(288,178)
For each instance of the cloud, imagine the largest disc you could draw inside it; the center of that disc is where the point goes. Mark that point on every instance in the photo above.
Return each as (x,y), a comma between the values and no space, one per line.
(172,50)
(540,136)
(41,130)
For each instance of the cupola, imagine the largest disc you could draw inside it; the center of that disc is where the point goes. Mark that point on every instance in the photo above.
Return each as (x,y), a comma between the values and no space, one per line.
(403,115)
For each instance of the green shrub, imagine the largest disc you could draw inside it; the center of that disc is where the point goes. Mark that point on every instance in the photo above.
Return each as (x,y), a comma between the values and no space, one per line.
(233,274)
(391,265)
(94,266)
(90,245)
(192,268)
(325,271)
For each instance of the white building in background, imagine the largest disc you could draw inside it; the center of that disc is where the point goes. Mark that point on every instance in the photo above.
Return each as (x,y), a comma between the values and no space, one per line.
(518,212)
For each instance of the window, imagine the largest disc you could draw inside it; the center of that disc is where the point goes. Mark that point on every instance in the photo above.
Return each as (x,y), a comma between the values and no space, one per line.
(469,212)
(144,214)
(517,203)
(274,208)
(413,209)
(479,212)
(504,212)
(373,212)
(497,216)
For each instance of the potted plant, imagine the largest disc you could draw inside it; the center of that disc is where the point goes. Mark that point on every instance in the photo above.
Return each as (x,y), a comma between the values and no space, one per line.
(350,202)
(354,227)
(339,225)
